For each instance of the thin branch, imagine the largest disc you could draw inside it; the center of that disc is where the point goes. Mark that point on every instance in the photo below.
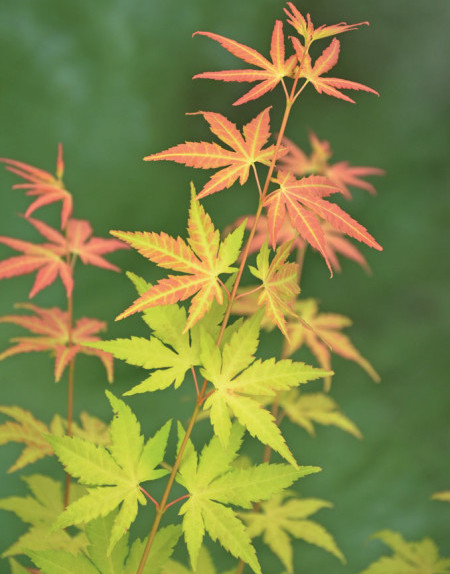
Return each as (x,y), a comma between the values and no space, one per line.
(194,374)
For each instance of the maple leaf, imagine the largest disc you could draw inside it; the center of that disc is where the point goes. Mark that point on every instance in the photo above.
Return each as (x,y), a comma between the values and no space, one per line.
(54,335)
(247,149)
(26,429)
(341,173)
(17,568)
(42,184)
(335,241)
(269,75)
(50,259)
(201,260)
(168,356)
(279,281)
(95,559)
(303,201)
(420,557)
(213,483)
(327,60)
(443,495)
(305,27)
(205,565)
(279,520)
(40,510)
(46,258)
(324,335)
(305,409)
(113,474)
(239,381)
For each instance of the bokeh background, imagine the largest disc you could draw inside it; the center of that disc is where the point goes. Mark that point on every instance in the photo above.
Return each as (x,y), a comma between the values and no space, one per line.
(111,79)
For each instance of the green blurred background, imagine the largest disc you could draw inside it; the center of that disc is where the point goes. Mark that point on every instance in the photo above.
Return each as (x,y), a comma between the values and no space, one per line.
(112,81)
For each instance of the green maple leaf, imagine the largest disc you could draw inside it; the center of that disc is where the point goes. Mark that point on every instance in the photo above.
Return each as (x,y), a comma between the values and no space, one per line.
(239,379)
(409,557)
(213,484)
(279,521)
(113,474)
(40,509)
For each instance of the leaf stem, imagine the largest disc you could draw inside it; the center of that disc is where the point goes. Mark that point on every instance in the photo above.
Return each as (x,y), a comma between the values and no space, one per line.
(177,500)
(249,292)
(149,496)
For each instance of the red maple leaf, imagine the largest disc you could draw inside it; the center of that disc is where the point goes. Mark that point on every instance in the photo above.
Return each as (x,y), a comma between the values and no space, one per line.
(42,184)
(302,200)
(342,173)
(327,60)
(50,259)
(52,329)
(246,150)
(305,27)
(269,75)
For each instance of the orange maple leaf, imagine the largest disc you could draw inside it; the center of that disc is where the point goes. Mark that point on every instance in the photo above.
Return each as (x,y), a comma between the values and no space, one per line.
(42,184)
(49,259)
(303,201)
(327,60)
(201,260)
(342,173)
(323,335)
(305,27)
(53,334)
(269,75)
(247,149)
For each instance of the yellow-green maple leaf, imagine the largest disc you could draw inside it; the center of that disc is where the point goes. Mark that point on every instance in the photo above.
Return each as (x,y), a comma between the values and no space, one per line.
(27,430)
(239,381)
(279,520)
(40,509)
(420,557)
(443,495)
(113,474)
(205,565)
(213,483)
(305,409)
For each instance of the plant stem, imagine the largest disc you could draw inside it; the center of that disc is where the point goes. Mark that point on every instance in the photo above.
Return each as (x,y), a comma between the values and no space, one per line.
(70,383)
(163,504)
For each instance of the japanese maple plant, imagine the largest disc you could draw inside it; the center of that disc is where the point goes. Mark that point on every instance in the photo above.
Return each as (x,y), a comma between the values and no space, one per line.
(81,520)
